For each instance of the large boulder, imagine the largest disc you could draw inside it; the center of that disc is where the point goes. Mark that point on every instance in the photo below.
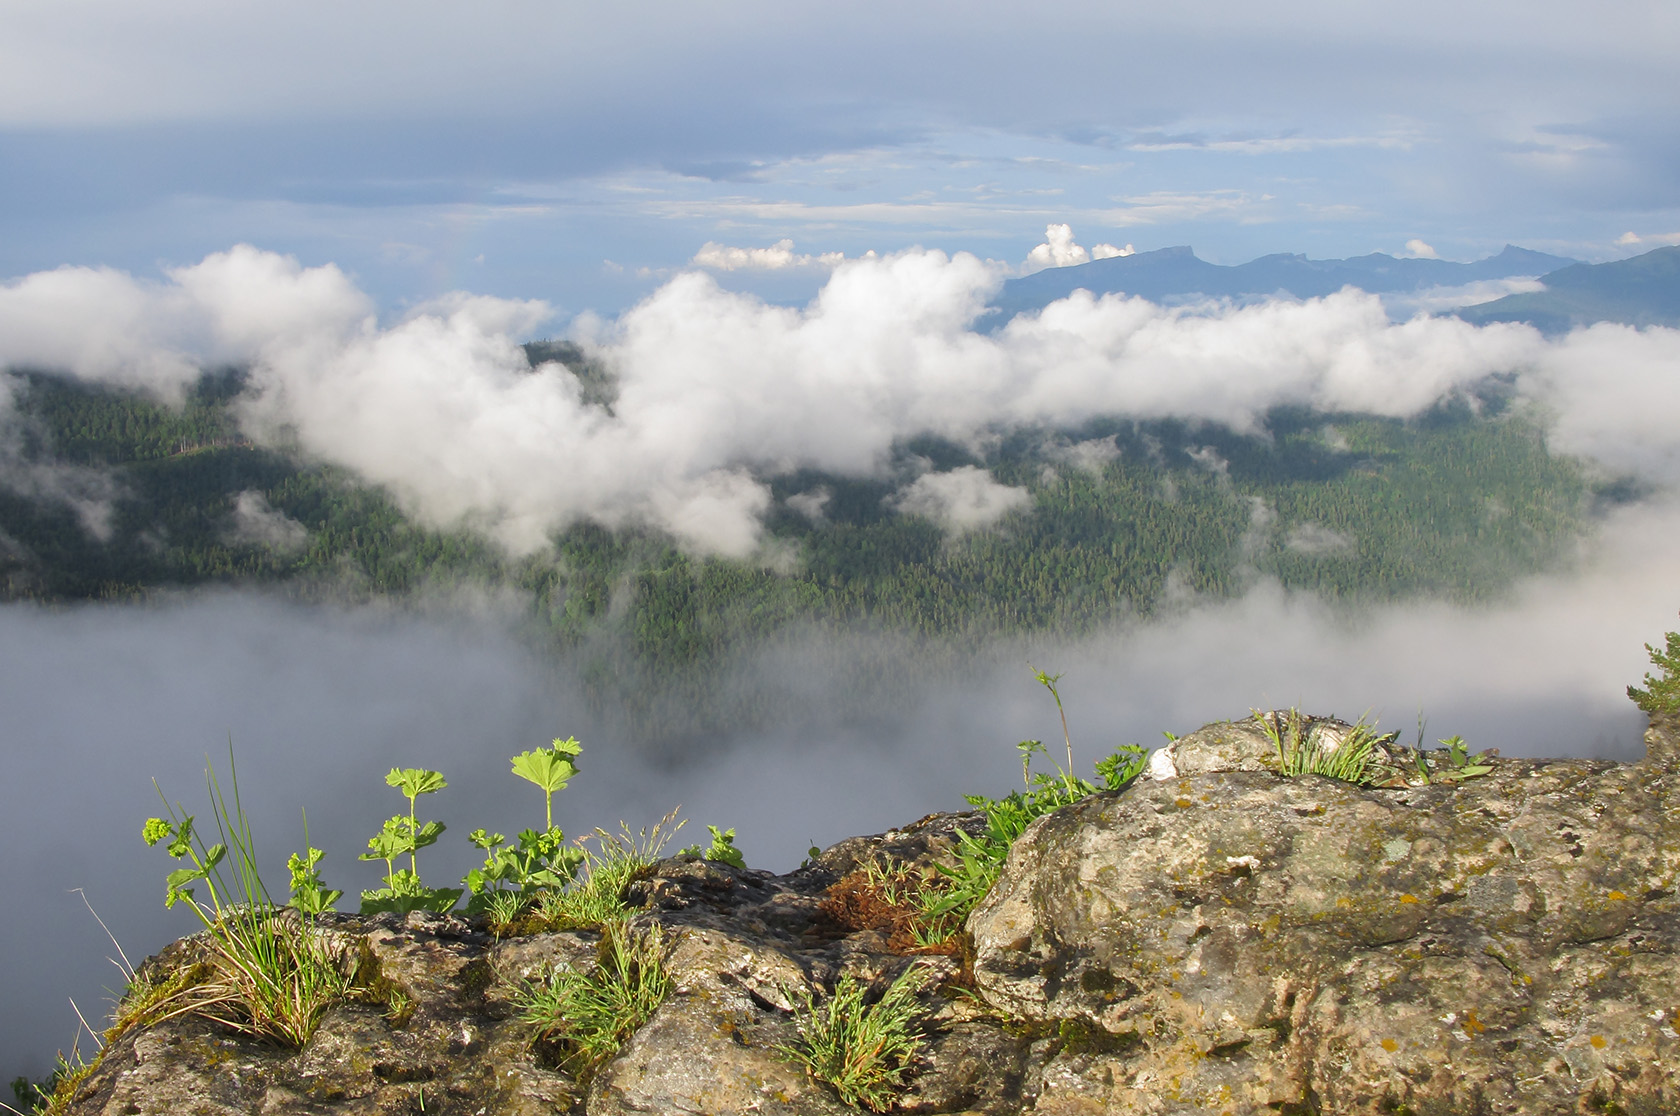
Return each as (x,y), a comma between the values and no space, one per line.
(1238,942)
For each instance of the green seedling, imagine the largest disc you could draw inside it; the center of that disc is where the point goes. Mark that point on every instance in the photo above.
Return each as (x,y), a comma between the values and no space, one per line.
(862,1048)
(1460,763)
(403,890)
(722,849)
(1354,760)
(1028,749)
(1048,681)
(309,895)
(540,859)
(549,768)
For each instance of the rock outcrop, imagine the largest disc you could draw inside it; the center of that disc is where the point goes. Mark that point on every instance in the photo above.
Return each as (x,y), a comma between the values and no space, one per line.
(1215,938)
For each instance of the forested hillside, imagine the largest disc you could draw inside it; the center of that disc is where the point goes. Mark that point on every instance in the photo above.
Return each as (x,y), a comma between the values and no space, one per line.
(114,496)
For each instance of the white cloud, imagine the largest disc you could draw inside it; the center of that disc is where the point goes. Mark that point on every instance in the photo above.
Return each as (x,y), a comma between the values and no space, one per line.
(964,499)
(1632,239)
(715,388)
(1059,250)
(778,257)
(1420,250)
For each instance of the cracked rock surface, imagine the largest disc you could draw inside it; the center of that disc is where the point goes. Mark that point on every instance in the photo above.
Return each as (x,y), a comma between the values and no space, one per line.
(1214,938)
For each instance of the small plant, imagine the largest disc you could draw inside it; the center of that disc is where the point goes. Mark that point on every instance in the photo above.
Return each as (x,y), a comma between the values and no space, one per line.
(1662,690)
(403,890)
(980,859)
(596,896)
(586,1017)
(268,973)
(1353,760)
(539,860)
(1455,765)
(50,1097)
(722,850)
(862,1049)
(549,768)
(309,894)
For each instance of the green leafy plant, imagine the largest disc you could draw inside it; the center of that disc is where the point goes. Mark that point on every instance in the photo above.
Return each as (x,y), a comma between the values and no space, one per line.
(722,850)
(268,972)
(538,860)
(584,1017)
(979,859)
(399,835)
(861,1047)
(309,894)
(1661,693)
(549,768)
(1455,764)
(596,896)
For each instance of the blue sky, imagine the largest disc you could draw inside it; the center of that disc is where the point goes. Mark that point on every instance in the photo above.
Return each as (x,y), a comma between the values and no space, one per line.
(582,152)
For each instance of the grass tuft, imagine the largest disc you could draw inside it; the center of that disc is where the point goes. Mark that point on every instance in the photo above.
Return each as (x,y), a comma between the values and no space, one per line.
(862,1049)
(587,1016)
(1354,760)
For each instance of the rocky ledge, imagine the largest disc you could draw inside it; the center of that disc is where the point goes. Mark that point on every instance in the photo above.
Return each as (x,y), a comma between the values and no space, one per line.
(1213,939)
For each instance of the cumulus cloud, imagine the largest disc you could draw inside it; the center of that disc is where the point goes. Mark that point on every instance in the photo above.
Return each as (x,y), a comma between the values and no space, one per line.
(964,499)
(1059,250)
(1631,239)
(1421,250)
(778,257)
(716,389)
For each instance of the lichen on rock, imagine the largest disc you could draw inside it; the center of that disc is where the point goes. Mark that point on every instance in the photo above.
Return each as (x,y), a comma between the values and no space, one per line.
(1216,938)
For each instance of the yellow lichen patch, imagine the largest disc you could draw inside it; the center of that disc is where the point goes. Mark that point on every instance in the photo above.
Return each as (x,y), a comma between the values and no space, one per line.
(1599,1042)
(1472,1026)
(1390,1045)
(1408,898)
(1183,803)
(1617,895)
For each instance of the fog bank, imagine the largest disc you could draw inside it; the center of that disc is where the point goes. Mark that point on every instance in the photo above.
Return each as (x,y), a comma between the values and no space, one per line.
(320,703)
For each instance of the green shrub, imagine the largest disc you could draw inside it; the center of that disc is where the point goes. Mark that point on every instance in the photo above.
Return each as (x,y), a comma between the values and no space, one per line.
(1662,691)
(862,1049)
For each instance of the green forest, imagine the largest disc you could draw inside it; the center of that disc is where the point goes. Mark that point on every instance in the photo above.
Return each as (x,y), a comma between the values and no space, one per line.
(1454,504)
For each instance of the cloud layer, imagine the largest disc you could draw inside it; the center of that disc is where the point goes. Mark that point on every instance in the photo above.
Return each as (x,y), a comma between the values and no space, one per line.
(716,388)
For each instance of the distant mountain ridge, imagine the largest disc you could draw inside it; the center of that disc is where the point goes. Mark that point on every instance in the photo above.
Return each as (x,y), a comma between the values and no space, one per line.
(1641,291)
(1171,274)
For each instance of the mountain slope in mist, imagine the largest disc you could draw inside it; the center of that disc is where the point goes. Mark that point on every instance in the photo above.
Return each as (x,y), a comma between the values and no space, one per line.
(1642,291)
(1174,274)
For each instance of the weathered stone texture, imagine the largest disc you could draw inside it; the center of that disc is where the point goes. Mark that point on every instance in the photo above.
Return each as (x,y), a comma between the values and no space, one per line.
(1214,939)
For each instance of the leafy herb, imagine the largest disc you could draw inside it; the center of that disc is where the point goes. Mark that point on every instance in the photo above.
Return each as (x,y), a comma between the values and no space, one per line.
(403,890)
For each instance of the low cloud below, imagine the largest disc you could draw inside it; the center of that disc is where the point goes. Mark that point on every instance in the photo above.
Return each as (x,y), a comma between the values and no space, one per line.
(964,499)
(320,703)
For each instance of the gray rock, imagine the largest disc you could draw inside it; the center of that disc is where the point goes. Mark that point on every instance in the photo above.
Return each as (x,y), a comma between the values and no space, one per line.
(1216,940)
(1250,943)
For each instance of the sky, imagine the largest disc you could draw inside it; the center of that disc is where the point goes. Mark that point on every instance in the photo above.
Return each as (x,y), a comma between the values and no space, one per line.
(580,153)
